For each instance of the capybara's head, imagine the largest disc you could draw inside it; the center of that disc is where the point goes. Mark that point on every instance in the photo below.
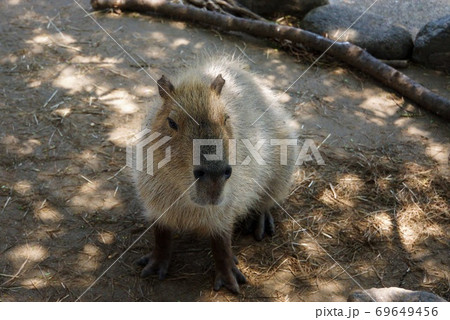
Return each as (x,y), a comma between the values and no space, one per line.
(194,116)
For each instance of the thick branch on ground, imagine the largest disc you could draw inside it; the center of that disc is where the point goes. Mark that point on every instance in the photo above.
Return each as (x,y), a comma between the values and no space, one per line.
(230,6)
(344,51)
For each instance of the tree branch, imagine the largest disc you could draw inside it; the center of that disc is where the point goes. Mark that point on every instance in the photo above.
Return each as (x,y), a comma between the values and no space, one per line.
(344,51)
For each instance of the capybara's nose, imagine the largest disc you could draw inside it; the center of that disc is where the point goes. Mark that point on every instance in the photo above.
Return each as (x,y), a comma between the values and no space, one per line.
(227,172)
(199,173)
(213,172)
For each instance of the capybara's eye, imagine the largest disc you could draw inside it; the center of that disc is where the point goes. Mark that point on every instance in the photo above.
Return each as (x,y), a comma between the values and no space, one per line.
(226,118)
(172,124)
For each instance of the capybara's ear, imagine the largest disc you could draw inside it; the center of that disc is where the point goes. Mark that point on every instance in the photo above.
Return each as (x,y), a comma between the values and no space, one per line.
(165,87)
(217,84)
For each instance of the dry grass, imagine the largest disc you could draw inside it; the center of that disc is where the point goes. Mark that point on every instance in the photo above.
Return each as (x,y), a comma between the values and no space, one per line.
(377,216)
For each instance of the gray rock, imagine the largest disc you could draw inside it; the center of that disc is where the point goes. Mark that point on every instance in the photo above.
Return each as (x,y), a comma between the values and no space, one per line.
(271,8)
(432,45)
(393,294)
(372,32)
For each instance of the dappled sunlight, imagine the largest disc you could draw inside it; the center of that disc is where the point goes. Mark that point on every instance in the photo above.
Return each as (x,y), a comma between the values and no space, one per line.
(199,45)
(92,196)
(47,39)
(338,71)
(179,42)
(36,279)
(35,84)
(177,24)
(373,104)
(350,184)
(311,248)
(62,112)
(121,136)
(95,59)
(330,196)
(71,79)
(10,59)
(414,130)
(15,146)
(30,252)
(33,283)
(281,69)
(147,90)
(23,187)
(40,39)
(414,226)
(106,237)
(380,225)
(14,2)
(153,36)
(91,159)
(89,259)
(349,34)
(272,79)
(121,101)
(441,154)
(384,184)
(284,98)
(48,214)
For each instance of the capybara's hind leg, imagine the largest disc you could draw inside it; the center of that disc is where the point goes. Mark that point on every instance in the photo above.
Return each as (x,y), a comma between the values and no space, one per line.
(227,274)
(260,224)
(263,225)
(157,262)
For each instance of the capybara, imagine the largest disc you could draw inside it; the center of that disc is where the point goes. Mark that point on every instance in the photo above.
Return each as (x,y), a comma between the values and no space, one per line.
(215,99)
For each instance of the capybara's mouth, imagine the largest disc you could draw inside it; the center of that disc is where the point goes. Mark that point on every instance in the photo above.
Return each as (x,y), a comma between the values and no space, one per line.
(208,201)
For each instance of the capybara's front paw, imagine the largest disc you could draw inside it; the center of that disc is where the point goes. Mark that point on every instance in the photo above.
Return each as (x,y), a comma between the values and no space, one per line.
(154,265)
(229,278)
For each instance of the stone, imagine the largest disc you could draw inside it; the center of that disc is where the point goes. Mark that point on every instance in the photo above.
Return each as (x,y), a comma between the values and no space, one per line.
(393,294)
(432,45)
(270,9)
(371,32)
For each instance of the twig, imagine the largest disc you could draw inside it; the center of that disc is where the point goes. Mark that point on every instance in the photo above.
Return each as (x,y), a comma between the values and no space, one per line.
(16,275)
(50,99)
(86,179)
(6,203)
(332,189)
(245,55)
(67,47)
(112,177)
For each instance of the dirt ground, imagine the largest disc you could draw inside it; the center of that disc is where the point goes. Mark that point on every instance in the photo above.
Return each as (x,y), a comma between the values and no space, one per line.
(376,215)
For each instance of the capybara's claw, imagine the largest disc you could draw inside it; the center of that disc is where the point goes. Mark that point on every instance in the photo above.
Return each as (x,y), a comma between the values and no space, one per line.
(229,279)
(143,260)
(153,266)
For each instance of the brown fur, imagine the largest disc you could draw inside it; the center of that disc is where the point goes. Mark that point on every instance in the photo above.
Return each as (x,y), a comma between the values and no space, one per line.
(224,100)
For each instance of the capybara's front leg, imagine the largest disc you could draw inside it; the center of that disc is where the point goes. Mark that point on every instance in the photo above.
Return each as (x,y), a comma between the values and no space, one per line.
(157,262)
(227,274)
